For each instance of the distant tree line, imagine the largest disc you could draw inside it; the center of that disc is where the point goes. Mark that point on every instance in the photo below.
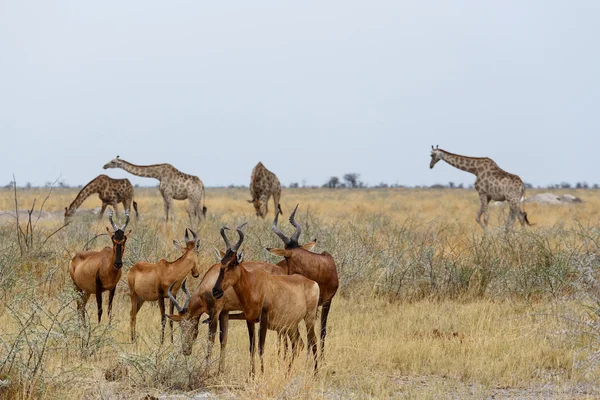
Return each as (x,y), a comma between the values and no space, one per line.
(350,180)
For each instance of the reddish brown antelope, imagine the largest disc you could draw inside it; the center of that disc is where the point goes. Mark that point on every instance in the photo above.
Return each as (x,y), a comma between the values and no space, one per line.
(150,282)
(202,301)
(317,267)
(94,272)
(278,302)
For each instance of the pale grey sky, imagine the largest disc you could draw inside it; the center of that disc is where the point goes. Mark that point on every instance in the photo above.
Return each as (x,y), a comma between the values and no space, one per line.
(311,89)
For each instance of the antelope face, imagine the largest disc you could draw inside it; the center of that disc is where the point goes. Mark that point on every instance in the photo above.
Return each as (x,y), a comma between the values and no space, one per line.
(191,245)
(189,332)
(119,238)
(436,155)
(229,272)
(116,163)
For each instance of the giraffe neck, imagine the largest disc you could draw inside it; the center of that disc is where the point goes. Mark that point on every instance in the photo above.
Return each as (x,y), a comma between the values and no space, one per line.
(468,164)
(148,171)
(86,192)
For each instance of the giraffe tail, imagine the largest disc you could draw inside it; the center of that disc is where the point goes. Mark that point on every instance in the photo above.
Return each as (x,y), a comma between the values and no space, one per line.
(136,209)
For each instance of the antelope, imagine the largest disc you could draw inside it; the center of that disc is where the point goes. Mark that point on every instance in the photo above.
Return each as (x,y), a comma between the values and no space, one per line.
(94,272)
(202,301)
(317,267)
(278,302)
(150,282)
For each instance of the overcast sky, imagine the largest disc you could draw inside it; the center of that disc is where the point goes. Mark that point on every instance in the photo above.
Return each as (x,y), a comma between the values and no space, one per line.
(311,89)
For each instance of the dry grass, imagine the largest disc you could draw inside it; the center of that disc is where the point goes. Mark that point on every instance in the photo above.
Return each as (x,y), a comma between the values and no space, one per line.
(428,307)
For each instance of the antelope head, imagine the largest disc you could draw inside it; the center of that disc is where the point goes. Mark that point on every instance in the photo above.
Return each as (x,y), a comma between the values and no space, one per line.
(229,272)
(436,155)
(191,245)
(115,163)
(118,237)
(290,243)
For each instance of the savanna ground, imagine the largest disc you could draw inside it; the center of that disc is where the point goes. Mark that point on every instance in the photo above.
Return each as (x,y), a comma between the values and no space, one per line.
(428,305)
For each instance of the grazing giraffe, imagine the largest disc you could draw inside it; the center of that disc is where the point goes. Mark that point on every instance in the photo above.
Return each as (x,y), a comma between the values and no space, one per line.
(492,183)
(111,191)
(263,185)
(174,185)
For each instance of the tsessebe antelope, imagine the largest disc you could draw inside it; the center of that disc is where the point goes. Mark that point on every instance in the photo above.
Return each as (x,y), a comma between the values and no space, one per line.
(94,272)
(278,302)
(150,282)
(317,267)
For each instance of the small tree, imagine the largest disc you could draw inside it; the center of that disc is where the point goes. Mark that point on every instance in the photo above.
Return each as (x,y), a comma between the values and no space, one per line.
(352,179)
(333,182)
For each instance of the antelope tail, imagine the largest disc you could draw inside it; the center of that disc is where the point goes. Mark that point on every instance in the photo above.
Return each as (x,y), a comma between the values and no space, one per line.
(136,209)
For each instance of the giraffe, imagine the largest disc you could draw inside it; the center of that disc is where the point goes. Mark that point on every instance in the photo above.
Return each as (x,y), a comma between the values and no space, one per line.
(174,185)
(111,191)
(492,183)
(263,185)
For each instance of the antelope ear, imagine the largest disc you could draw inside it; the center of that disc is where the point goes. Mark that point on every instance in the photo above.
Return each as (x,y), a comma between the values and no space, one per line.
(128,232)
(219,254)
(240,256)
(279,252)
(108,230)
(177,245)
(310,245)
(250,201)
(176,318)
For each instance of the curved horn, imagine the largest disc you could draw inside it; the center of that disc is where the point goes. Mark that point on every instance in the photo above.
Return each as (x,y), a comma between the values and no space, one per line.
(126,220)
(225,238)
(110,215)
(194,235)
(180,309)
(186,237)
(277,231)
(296,225)
(241,235)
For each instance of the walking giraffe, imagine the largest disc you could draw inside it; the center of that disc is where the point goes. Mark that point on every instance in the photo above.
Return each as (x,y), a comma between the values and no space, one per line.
(174,185)
(492,183)
(263,185)
(111,191)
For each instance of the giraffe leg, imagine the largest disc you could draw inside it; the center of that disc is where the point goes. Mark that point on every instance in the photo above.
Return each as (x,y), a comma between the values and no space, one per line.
(276,204)
(172,212)
(127,204)
(514,211)
(483,210)
(114,206)
(166,209)
(104,205)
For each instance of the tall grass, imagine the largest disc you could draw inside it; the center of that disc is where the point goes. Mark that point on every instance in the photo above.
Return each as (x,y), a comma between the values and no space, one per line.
(423,291)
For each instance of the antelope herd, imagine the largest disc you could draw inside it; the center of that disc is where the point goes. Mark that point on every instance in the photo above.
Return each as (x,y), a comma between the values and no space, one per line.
(277,297)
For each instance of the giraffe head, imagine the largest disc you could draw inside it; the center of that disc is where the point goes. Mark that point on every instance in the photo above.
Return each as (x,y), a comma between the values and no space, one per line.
(69,213)
(258,207)
(116,163)
(436,155)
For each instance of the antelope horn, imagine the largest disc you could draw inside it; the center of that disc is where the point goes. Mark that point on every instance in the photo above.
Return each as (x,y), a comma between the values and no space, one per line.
(277,231)
(110,215)
(180,309)
(126,220)
(241,235)
(296,225)
(186,237)
(194,235)
(225,238)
